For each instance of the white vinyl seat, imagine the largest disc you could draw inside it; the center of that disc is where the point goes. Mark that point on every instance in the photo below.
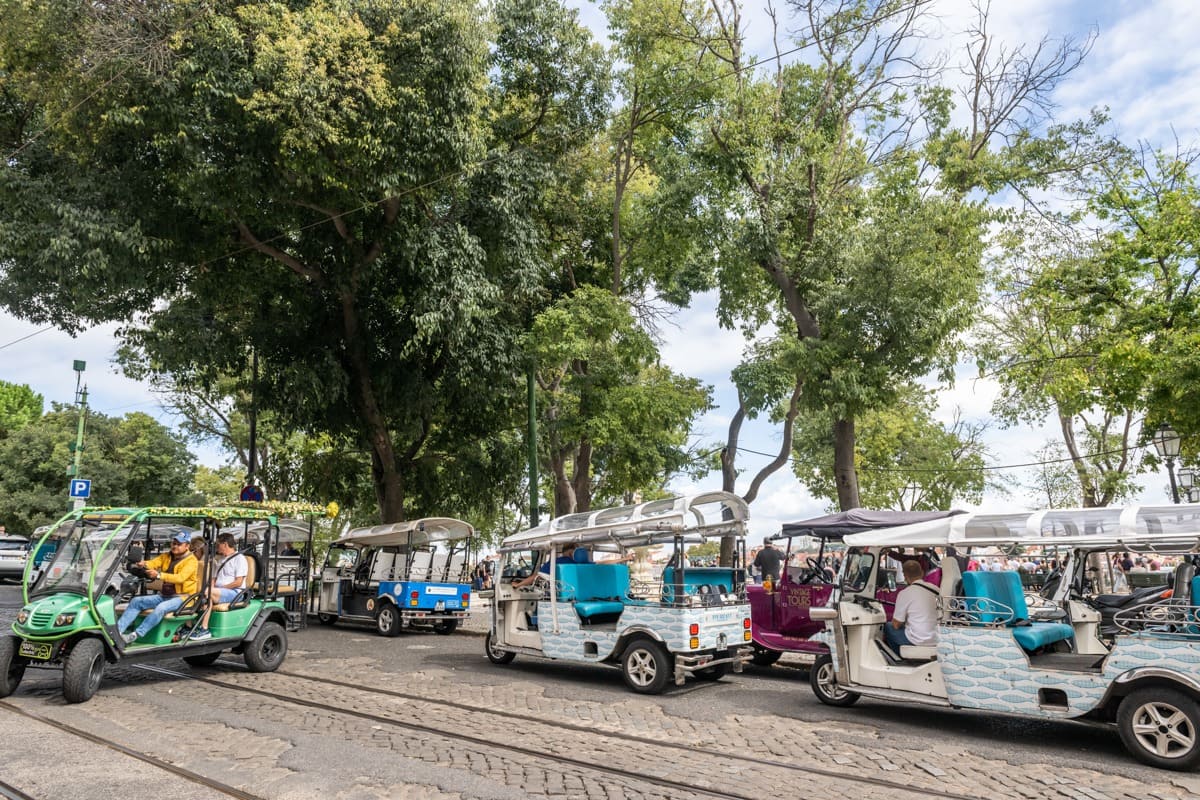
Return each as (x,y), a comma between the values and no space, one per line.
(912,652)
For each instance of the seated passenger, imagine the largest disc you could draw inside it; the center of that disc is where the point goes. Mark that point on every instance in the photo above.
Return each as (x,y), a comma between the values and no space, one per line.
(227,583)
(914,622)
(177,569)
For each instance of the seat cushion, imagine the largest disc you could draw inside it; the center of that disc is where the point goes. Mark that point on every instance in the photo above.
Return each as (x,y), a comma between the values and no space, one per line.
(592,608)
(1040,634)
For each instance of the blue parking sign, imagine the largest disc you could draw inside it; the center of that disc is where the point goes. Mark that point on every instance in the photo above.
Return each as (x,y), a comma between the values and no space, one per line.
(81,488)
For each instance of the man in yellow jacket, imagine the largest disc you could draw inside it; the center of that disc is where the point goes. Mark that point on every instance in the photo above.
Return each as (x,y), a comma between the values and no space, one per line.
(177,569)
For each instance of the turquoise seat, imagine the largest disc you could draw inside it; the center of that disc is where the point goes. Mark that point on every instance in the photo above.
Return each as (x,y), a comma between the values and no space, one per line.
(1005,588)
(721,578)
(594,589)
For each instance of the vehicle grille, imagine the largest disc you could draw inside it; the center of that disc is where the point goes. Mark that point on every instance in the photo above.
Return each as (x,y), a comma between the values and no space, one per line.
(40,618)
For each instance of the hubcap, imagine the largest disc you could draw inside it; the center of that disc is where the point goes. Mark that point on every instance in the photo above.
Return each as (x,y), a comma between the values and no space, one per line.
(1164,730)
(96,671)
(827,680)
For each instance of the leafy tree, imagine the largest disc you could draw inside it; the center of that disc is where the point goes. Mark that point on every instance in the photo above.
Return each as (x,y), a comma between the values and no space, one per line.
(19,406)
(1054,483)
(132,460)
(349,190)
(606,401)
(904,458)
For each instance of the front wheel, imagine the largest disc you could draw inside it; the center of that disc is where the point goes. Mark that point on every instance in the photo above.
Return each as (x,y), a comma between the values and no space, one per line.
(387,620)
(1161,727)
(646,666)
(268,649)
(83,670)
(494,654)
(445,626)
(823,679)
(12,666)
(763,657)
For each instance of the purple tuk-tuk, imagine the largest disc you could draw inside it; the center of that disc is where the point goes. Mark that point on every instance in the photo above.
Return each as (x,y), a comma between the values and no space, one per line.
(779,618)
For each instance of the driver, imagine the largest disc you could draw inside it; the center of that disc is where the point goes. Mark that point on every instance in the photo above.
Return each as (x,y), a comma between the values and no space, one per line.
(768,562)
(544,569)
(177,569)
(914,622)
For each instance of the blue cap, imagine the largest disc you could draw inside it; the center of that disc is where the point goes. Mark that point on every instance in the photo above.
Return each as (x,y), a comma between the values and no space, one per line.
(183,537)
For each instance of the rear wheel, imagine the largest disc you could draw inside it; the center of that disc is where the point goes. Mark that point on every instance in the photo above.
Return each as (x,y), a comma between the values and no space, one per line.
(764,657)
(12,666)
(83,670)
(646,666)
(205,660)
(495,655)
(715,672)
(268,649)
(1161,727)
(387,619)
(327,619)
(823,679)
(445,626)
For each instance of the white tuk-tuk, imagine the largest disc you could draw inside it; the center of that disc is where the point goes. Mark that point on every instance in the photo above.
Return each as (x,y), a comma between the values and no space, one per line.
(399,574)
(1038,655)
(657,626)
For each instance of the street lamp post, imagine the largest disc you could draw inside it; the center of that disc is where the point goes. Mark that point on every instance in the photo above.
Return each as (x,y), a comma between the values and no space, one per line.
(1166,443)
(1187,482)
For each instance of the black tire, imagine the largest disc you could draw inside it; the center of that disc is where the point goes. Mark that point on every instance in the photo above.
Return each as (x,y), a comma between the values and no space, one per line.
(268,649)
(445,626)
(205,660)
(83,670)
(823,679)
(764,657)
(496,656)
(387,619)
(715,672)
(327,619)
(12,666)
(1160,726)
(646,666)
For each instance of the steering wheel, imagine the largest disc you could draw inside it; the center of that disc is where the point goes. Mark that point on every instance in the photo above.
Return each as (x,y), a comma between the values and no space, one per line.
(815,572)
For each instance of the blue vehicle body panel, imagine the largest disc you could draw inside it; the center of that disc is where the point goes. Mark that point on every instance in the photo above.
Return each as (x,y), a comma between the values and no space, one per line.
(429,595)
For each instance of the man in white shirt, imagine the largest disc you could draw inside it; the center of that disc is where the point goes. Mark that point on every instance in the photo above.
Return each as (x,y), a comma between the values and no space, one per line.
(914,621)
(229,578)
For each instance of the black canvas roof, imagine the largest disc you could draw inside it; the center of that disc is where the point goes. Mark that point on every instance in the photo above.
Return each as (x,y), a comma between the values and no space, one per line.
(857,520)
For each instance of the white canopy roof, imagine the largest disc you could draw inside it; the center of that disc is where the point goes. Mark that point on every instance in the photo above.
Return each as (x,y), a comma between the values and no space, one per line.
(418,532)
(696,516)
(1132,525)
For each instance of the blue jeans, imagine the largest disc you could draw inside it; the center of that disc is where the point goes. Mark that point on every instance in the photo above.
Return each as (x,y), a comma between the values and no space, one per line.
(895,637)
(137,605)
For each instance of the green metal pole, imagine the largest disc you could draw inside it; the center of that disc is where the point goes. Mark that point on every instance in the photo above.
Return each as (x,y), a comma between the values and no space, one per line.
(531,441)
(79,440)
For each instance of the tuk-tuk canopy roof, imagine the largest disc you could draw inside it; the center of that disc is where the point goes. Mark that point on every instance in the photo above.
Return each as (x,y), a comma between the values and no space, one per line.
(420,532)
(694,516)
(857,520)
(1099,527)
(217,513)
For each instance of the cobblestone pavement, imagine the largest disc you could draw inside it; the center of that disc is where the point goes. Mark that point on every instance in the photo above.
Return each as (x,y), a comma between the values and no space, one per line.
(273,748)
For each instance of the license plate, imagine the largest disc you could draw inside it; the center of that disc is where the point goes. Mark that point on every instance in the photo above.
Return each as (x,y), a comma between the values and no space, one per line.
(441,606)
(35,650)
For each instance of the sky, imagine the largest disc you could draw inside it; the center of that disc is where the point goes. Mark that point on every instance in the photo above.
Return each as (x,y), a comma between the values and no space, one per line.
(1143,66)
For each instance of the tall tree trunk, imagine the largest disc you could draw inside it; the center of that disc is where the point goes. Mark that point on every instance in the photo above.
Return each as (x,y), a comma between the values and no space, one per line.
(843,464)
(564,489)
(389,487)
(581,483)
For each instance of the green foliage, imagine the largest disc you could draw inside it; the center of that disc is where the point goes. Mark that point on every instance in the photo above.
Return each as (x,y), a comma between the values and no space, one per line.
(19,406)
(133,460)
(905,459)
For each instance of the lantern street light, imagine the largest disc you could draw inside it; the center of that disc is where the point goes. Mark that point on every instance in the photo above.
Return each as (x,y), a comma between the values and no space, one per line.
(1193,494)
(1187,478)
(1166,443)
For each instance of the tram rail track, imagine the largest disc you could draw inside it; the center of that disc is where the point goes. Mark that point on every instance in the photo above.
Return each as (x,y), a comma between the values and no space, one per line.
(166,766)
(757,762)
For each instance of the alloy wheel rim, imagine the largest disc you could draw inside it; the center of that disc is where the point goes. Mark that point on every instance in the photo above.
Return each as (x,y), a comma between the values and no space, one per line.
(827,680)
(642,668)
(1164,730)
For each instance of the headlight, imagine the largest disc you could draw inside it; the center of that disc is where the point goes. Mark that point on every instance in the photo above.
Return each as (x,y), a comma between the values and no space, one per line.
(22,616)
(64,619)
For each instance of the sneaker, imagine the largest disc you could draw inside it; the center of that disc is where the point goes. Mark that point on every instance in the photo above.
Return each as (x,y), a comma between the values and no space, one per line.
(201,633)
(130,637)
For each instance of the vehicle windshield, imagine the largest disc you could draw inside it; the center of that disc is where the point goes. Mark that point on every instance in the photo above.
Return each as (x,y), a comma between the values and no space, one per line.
(856,572)
(13,544)
(342,557)
(67,559)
